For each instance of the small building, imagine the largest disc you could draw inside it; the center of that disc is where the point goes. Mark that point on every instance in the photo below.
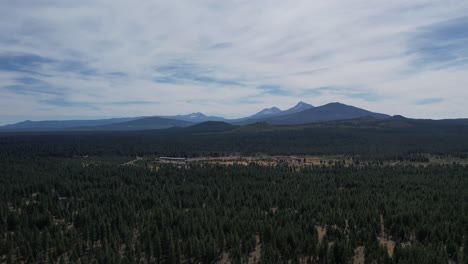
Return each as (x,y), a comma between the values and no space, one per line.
(282,158)
(172,160)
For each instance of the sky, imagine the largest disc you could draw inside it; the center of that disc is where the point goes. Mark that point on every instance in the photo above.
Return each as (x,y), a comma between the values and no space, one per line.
(90,59)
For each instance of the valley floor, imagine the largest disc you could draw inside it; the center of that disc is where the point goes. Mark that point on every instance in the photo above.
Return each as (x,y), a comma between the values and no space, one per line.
(305,160)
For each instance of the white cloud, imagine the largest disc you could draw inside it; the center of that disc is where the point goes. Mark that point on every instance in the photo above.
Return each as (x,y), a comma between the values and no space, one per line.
(364,46)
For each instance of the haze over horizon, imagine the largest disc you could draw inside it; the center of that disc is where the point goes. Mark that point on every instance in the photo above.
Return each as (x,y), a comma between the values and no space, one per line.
(98,59)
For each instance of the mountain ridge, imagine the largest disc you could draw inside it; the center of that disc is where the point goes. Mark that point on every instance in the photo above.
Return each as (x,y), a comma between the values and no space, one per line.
(52,125)
(196,117)
(299,107)
(327,112)
(266,112)
(147,123)
(300,114)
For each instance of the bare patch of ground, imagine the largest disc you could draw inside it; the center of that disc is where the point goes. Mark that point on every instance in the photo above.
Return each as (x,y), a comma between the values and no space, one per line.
(388,244)
(322,231)
(359,255)
(306,260)
(296,161)
(384,240)
(255,256)
(132,161)
(406,244)
(225,259)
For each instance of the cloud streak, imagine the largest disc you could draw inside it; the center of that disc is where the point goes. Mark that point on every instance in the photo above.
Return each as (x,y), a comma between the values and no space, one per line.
(427,101)
(231,58)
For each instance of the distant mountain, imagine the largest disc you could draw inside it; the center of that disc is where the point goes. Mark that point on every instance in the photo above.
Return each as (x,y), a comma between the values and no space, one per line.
(328,112)
(266,113)
(302,113)
(271,112)
(196,117)
(146,123)
(299,107)
(55,125)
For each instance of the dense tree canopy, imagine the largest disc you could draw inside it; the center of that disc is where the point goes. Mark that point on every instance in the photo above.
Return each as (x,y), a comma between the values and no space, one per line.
(55,207)
(367,142)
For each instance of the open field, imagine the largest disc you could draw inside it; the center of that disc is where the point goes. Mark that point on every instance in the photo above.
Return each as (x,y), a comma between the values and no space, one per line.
(306,160)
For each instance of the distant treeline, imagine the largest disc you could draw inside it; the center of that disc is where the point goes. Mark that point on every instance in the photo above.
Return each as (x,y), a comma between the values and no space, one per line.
(368,143)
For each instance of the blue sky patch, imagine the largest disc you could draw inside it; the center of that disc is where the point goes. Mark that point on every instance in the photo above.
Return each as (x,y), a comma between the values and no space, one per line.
(29,85)
(349,92)
(33,89)
(26,63)
(61,102)
(77,67)
(274,89)
(442,43)
(186,72)
(427,101)
(28,81)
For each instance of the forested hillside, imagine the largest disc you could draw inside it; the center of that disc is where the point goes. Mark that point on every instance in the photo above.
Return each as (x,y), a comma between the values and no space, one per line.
(369,139)
(75,198)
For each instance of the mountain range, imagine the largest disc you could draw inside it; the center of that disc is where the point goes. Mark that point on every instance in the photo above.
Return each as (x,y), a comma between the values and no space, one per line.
(300,114)
(275,111)
(196,118)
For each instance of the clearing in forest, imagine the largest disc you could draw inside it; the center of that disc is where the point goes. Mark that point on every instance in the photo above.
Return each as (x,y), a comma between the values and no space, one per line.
(359,255)
(255,256)
(384,240)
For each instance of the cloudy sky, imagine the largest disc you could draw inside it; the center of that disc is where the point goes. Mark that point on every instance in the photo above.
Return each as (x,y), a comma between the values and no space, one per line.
(92,59)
